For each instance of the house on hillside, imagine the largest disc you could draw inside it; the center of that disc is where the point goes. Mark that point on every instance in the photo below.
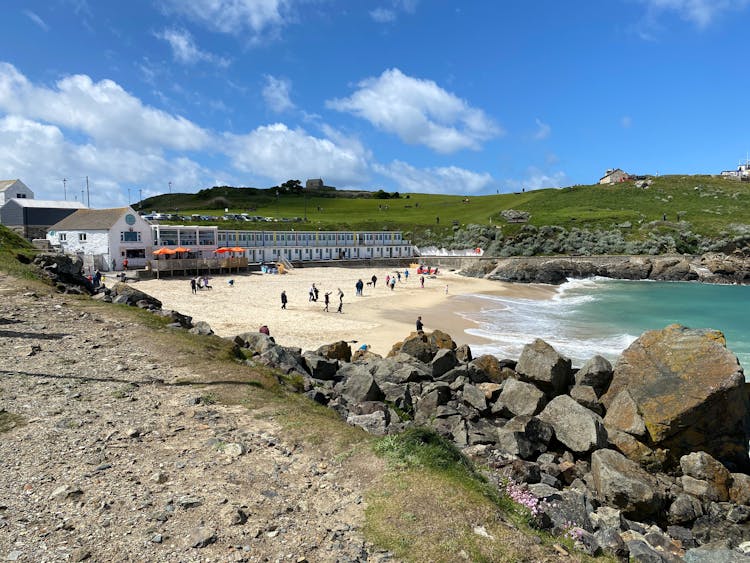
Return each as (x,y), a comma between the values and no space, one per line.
(31,218)
(317,184)
(742,172)
(103,238)
(14,189)
(614,176)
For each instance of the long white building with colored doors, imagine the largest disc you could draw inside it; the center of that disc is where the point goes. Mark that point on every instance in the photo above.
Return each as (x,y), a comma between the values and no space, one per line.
(270,246)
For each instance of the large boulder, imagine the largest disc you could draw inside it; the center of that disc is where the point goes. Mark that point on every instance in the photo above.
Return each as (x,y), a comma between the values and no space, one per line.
(622,483)
(703,476)
(541,365)
(127,294)
(519,398)
(576,427)
(690,392)
(487,368)
(417,345)
(524,436)
(596,373)
(359,387)
(443,361)
(392,370)
(336,351)
(441,340)
(320,367)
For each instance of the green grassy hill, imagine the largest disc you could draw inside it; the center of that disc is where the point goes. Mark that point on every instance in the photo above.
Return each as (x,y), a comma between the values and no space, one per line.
(707,206)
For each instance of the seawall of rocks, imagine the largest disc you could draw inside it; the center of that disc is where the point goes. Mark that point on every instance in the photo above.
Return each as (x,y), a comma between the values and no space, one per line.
(648,459)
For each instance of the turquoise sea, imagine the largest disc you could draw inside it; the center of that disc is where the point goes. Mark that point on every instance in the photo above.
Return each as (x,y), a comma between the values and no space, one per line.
(603,316)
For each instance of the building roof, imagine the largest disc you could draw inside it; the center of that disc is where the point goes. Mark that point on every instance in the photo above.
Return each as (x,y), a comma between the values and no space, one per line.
(47,203)
(5,184)
(90,219)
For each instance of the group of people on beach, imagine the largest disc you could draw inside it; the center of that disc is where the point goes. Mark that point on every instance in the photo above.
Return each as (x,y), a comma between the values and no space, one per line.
(200,282)
(313,294)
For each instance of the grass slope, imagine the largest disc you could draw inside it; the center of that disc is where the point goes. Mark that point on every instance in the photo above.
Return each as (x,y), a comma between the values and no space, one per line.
(712,206)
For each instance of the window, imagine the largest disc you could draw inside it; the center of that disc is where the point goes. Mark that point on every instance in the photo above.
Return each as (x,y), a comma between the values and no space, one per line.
(63,237)
(21,196)
(82,236)
(130,236)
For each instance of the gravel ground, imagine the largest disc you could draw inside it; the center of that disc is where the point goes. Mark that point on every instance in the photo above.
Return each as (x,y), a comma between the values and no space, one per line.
(102,459)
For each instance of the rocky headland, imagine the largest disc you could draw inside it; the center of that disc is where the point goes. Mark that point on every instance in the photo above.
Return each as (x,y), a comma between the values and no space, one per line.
(733,268)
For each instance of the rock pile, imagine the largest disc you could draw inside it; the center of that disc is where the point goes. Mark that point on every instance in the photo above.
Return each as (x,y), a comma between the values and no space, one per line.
(730,268)
(648,458)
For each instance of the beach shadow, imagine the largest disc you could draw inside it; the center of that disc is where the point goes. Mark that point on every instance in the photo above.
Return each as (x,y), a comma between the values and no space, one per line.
(159,382)
(31,335)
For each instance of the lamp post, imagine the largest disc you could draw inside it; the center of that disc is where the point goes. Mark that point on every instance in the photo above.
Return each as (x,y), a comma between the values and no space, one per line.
(305,194)
(277,204)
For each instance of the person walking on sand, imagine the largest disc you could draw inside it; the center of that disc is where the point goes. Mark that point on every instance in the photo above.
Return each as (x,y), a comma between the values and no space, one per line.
(315,291)
(393,283)
(193,287)
(283,299)
(311,293)
(374,280)
(387,281)
(406,276)
(326,300)
(420,326)
(341,301)
(398,274)
(421,281)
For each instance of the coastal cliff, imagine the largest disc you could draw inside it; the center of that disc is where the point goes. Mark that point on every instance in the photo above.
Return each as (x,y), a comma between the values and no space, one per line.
(708,268)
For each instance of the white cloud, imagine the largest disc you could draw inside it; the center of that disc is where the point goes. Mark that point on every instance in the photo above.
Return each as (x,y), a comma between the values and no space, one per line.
(390,14)
(280,153)
(448,180)
(700,12)
(186,51)
(536,179)
(383,15)
(276,94)
(419,112)
(33,16)
(41,156)
(102,110)
(543,130)
(258,17)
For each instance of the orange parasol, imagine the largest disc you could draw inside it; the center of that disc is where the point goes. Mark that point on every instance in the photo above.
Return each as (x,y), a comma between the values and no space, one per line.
(237,249)
(161,251)
(181,249)
(222,250)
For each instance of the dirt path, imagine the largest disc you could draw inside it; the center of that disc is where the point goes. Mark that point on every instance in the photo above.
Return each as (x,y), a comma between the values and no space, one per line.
(102,459)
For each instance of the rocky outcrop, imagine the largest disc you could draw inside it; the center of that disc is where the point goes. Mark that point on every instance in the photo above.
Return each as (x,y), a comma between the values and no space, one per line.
(65,272)
(128,295)
(710,268)
(589,446)
(681,390)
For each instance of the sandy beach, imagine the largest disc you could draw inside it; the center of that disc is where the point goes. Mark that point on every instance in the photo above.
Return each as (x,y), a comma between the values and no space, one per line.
(379,318)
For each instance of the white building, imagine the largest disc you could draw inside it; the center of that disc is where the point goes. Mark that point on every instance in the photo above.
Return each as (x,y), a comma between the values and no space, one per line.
(10,189)
(272,246)
(103,238)
(742,172)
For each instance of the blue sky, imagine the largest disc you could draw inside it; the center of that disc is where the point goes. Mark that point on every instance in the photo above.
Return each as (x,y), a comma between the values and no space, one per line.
(437,96)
